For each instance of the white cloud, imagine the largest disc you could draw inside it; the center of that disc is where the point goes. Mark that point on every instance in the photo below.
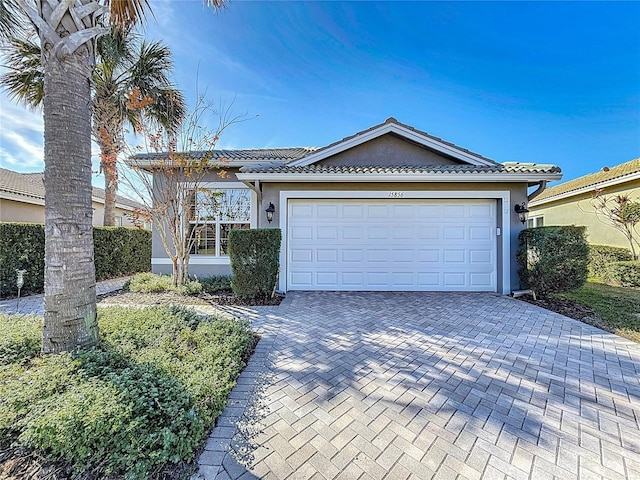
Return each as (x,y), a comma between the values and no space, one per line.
(21,137)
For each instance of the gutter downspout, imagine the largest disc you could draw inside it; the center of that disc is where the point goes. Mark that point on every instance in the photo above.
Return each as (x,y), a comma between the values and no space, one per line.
(255,187)
(541,186)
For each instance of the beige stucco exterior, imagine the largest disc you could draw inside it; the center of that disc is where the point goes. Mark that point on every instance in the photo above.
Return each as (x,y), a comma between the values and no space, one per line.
(32,212)
(577,209)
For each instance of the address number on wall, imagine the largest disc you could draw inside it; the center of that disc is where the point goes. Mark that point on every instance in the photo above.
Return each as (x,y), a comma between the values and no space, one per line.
(396,194)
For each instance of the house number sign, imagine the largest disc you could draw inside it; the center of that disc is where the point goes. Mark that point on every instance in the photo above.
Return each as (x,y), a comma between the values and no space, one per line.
(396,194)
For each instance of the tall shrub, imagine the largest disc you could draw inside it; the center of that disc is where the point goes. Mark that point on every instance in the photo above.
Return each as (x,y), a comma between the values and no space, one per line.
(552,259)
(254,256)
(21,248)
(601,255)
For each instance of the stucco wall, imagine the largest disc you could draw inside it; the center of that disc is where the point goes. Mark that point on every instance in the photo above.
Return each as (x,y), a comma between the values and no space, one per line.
(578,210)
(388,150)
(12,211)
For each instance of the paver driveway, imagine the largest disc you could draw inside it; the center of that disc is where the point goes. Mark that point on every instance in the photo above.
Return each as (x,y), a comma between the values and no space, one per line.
(429,385)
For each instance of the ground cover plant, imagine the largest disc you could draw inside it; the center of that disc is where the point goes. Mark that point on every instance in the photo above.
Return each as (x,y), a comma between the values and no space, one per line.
(153,289)
(141,401)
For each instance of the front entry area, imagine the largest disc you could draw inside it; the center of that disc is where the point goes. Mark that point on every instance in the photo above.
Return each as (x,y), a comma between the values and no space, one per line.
(391,244)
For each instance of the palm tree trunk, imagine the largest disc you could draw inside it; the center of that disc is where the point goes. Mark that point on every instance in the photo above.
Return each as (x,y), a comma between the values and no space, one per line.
(70,298)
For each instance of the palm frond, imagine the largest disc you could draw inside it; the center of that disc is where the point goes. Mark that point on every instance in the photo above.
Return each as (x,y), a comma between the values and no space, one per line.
(123,14)
(11,20)
(24,81)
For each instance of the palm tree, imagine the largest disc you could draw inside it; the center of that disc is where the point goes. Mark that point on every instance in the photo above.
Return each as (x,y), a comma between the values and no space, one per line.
(124,63)
(68,31)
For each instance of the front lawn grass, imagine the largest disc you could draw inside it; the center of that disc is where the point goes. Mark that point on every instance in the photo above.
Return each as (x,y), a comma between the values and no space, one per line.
(143,400)
(619,307)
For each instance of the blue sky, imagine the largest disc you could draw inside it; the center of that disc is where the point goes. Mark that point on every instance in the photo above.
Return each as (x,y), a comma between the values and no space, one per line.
(524,81)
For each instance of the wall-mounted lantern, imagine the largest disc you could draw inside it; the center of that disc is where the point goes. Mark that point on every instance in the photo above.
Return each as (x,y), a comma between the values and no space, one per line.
(522,211)
(270,211)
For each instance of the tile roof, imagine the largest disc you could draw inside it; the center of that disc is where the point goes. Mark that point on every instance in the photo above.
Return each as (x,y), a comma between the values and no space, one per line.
(239,157)
(505,168)
(31,185)
(592,180)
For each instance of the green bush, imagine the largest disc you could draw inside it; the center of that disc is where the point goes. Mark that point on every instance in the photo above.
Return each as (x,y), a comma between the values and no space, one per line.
(121,251)
(625,274)
(118,251)
(145,397)
(601,255)
(216,283)
(254,256)
(552,259)
(21,248)
(151,283)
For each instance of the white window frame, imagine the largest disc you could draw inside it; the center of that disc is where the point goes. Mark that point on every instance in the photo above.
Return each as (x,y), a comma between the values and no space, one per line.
(214,259)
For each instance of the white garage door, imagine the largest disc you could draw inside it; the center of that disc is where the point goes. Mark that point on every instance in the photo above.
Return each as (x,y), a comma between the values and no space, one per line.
(395,244)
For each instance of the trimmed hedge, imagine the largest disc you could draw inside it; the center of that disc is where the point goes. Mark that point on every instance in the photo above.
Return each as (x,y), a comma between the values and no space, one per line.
(254,256)
(121,251)
(21,248)
(552,259)
(625,274)
(601,255)
(118,251)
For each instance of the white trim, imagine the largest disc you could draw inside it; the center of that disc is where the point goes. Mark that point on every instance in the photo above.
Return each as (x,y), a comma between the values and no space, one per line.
(16,197)
(194,260)
(503,195)
(220,185)
(589,188)
(401,177)
(385,128)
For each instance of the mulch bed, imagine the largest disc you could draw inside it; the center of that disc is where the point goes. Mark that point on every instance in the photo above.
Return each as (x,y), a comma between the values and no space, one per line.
(122,297)
(570,309)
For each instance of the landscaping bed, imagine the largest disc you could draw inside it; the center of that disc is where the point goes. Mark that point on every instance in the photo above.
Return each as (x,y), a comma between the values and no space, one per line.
(138,406)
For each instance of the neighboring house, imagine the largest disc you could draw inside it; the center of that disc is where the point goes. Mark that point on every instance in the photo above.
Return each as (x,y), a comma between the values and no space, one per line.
(570,203)
(389,208)
(22,200)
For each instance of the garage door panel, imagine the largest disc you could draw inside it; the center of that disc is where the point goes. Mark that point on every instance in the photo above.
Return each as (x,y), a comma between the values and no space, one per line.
(391,245)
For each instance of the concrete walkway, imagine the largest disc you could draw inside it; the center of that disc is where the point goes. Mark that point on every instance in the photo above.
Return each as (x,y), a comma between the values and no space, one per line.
(428,385)
(34,304)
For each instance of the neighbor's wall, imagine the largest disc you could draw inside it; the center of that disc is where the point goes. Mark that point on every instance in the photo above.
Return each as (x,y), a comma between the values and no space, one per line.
(518,194)
(578,210)
(12,211)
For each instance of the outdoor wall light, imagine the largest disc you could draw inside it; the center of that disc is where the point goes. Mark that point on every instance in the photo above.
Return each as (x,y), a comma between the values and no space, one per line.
(522,211)
(270,211)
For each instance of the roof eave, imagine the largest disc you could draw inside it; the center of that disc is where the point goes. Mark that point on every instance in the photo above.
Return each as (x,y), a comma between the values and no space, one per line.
(399,177)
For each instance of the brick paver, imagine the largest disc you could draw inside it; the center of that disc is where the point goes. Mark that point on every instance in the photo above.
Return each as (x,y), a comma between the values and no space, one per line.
(34,304)
(429,385)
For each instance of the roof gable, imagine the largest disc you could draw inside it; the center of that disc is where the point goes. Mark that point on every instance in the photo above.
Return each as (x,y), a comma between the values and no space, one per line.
(392,126)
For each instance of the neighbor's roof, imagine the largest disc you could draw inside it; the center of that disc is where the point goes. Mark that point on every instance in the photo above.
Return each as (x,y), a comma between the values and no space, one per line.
(610,176)
(31,186)
(230,158)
